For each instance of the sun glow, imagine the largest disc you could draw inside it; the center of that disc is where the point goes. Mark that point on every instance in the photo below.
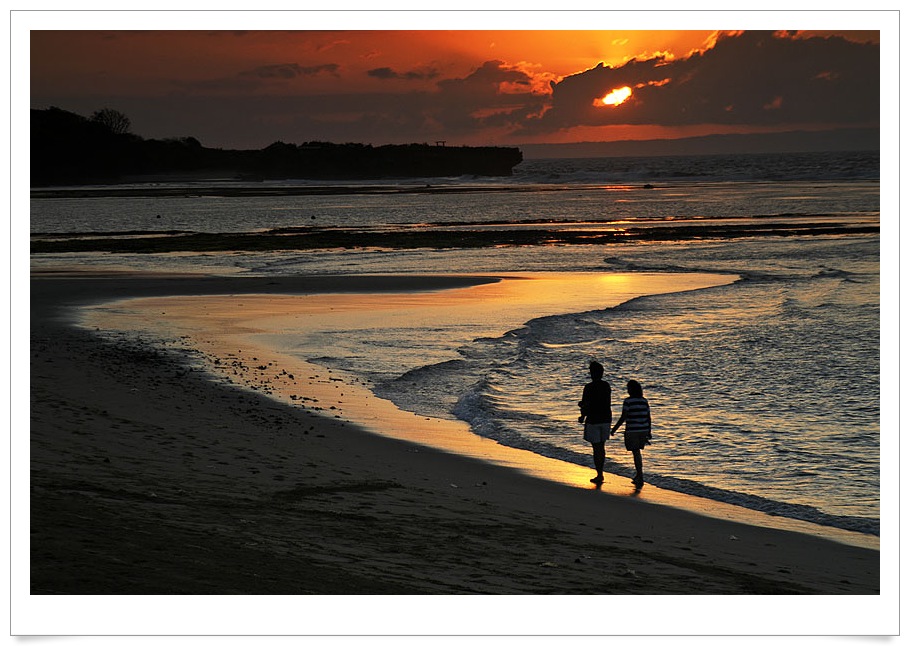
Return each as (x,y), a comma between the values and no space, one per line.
(617,96)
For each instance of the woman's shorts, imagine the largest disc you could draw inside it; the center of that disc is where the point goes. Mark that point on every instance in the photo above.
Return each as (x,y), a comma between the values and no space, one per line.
(597,433)
(636,440)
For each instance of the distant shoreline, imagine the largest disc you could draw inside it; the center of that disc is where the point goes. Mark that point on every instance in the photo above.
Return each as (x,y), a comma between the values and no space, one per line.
(68,149)
(795,141)
(240,188)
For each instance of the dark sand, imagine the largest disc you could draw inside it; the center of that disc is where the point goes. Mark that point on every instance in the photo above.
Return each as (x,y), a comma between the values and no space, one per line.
(442,237)
(148,478)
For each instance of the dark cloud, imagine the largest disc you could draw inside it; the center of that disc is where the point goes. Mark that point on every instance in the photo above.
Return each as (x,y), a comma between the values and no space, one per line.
(238,111)
(495,95)
(414,75)
(290,71)
(486,80)
(456,108)
(753,78)
(254,80)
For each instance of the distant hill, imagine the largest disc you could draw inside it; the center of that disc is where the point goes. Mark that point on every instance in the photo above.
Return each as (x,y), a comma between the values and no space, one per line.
(67,149)
(845,139)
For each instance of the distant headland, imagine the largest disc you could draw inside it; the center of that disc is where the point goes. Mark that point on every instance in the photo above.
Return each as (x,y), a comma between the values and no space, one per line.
(69,149)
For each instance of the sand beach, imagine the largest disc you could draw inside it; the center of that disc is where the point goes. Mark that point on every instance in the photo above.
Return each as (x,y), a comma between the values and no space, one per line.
(149,478)
(293,371)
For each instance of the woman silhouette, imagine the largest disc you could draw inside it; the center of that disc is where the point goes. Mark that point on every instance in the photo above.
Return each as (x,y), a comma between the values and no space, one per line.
(636,413)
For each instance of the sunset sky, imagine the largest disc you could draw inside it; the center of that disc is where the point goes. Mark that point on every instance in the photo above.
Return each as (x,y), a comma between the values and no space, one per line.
(247,89)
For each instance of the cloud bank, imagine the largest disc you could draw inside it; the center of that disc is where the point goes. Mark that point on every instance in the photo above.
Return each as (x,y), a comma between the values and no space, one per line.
(746,80)
(751,78)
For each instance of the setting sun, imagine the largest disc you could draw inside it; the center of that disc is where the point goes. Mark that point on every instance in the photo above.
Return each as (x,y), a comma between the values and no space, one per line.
(617,96)
(340,301)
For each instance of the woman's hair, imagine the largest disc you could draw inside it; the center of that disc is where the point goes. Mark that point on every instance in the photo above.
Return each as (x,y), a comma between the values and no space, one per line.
(635,389)
(597,370)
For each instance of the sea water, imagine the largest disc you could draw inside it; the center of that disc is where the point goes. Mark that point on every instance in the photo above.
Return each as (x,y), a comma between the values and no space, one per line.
(765,392)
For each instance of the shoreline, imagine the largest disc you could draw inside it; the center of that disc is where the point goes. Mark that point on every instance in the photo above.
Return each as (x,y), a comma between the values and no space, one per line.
(66,405)
(241,339)
(148,478)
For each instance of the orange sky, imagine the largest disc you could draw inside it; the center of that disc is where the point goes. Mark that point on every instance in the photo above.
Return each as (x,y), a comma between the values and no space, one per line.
(140,62)
(247,89)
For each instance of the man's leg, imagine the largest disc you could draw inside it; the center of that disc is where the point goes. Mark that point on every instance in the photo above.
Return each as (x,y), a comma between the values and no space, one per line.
(599,456)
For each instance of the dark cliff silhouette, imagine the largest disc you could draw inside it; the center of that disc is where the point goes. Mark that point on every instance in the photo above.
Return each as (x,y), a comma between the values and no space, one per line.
(67,148)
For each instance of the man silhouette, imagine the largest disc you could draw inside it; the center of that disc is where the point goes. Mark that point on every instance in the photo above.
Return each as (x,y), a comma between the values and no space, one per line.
(596,415)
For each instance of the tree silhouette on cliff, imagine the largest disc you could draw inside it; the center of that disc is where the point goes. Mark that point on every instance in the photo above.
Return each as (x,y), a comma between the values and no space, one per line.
(117,122)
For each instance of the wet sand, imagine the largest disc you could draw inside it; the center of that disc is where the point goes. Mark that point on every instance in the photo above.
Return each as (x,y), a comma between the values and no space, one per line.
(149,478)
(446,236)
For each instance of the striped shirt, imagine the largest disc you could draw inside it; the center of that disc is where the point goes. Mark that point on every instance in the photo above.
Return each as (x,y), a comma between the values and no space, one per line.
(637,415)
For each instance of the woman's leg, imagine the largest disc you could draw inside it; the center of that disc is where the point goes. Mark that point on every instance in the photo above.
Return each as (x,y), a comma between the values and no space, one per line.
(636,456)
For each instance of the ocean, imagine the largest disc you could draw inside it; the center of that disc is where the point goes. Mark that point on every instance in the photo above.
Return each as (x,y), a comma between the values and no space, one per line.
(765,392)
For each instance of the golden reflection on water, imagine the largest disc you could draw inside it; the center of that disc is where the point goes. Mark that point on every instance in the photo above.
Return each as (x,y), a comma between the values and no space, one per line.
(237,331)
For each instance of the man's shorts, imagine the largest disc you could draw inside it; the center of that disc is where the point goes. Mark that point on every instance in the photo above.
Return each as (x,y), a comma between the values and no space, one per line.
(597,433)
(637,440)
